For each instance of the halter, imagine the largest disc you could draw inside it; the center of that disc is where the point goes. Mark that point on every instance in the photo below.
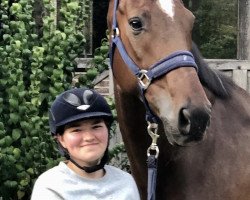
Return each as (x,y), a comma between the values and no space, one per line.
(145,77)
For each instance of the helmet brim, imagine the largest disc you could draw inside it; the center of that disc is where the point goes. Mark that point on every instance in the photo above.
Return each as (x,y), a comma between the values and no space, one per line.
(84,116)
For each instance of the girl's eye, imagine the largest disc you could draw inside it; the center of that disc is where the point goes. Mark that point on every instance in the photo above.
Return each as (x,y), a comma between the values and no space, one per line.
(76,130)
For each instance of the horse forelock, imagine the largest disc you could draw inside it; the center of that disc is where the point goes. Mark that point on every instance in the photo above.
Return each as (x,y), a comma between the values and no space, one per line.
(216,82)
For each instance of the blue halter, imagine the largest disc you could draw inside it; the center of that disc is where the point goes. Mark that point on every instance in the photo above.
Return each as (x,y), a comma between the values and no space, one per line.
(145,77)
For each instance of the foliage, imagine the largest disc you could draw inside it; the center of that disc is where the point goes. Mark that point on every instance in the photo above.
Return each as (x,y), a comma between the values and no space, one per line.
(97,66)
(36,59)
(118,157)
(215,29)
(117,153)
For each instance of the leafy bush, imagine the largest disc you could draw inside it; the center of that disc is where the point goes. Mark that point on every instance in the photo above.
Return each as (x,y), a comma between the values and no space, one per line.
(37,59)
(98,64)
(215,30)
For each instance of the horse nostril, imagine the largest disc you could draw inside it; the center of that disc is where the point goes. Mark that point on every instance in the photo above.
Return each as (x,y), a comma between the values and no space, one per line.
(194,122)
(184,121)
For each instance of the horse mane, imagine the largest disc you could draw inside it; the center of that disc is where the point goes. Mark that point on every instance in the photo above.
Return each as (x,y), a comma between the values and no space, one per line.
(219,84)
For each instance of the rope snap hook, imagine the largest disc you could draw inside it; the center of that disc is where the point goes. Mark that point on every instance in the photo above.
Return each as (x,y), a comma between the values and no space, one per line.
(152,131)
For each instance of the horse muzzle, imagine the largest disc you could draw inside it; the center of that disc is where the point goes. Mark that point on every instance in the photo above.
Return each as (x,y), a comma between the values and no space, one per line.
(191,126)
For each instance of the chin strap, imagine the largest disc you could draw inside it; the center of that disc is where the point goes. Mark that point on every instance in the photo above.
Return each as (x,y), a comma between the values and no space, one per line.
(94,168)
(91,169)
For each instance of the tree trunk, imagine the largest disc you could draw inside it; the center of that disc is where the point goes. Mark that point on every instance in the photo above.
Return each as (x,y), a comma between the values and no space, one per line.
(244,30)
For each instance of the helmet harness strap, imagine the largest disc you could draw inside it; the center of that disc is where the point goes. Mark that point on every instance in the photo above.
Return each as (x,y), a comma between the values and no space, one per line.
(95,167)
(91,169)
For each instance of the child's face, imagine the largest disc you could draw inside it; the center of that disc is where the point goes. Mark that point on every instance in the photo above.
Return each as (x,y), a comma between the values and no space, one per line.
(86,141)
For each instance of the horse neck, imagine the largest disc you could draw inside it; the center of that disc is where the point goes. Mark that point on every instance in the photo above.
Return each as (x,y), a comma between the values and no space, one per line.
(233,109)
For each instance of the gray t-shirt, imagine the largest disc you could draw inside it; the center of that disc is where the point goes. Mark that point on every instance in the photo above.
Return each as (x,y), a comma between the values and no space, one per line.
(61,182)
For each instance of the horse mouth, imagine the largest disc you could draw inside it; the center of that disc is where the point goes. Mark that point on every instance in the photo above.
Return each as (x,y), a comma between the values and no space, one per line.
(194,133)
(180,139)
(183,140)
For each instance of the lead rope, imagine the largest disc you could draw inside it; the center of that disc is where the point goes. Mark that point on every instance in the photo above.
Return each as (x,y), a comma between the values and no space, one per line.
(152,153)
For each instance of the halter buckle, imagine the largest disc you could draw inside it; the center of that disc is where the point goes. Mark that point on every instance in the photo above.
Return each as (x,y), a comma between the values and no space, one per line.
(144,80)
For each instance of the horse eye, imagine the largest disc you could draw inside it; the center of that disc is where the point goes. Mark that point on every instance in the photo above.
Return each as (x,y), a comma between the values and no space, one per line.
(136,24)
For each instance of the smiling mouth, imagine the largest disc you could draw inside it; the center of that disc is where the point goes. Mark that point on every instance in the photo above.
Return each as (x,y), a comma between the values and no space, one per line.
(90,144)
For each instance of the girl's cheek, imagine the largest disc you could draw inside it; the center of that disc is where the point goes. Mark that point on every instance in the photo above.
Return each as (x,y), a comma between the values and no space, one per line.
(104,137)
(73,141)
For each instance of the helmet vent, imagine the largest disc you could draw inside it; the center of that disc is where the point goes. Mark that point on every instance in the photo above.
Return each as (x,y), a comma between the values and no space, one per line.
(88,97)
(72,99)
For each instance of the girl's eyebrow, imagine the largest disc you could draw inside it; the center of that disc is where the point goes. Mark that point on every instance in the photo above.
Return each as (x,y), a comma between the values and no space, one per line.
(72,125)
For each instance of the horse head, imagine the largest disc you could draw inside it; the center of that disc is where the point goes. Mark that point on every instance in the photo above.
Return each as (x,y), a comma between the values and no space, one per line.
(151,31)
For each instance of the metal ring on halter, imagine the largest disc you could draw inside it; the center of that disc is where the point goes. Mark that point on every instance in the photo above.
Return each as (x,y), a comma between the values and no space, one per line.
(152,127)
(153,148)
(144,80)
(116,32)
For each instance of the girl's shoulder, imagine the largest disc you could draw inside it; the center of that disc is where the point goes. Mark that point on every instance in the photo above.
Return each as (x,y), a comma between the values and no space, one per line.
(117,172)
(54,174)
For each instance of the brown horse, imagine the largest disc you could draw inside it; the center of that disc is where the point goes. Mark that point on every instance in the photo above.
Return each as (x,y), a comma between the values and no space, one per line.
(204,118)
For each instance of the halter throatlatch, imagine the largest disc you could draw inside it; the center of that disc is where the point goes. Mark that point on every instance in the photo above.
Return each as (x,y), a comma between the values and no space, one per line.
(145,77)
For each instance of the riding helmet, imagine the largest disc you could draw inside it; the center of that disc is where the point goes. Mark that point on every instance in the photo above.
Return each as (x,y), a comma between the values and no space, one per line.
(77,104)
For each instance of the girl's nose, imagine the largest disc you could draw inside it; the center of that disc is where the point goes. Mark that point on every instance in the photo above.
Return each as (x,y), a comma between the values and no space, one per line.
(88,136)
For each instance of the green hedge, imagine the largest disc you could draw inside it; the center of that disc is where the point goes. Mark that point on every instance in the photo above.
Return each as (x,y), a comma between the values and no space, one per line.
(37,56)
(215,29)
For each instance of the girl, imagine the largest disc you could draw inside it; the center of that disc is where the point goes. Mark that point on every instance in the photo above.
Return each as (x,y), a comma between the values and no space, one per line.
(80,120)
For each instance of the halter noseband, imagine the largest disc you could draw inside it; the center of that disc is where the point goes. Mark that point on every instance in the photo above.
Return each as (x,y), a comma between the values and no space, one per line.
(145,77)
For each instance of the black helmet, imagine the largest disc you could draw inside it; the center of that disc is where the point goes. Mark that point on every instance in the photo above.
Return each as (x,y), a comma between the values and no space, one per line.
(76,104)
